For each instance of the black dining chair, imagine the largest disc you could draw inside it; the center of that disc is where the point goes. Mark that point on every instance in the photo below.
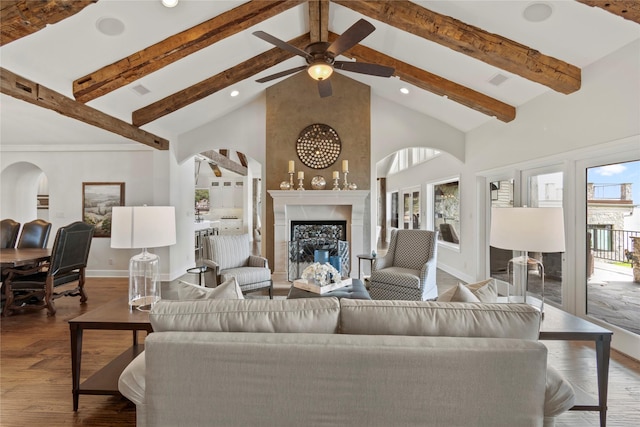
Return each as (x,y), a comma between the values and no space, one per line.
(68,262)
(35,234)
(8,233)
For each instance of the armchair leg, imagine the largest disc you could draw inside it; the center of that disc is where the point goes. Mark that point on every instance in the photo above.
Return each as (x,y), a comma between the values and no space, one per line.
(271,290)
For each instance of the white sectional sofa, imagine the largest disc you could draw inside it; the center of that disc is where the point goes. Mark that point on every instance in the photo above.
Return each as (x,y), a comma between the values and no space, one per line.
(330,362)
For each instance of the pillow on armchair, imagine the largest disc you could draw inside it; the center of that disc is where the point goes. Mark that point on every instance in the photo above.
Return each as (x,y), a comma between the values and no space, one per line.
(485,291)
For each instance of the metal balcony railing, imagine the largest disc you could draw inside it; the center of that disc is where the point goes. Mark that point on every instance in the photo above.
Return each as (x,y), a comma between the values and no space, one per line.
(611,245)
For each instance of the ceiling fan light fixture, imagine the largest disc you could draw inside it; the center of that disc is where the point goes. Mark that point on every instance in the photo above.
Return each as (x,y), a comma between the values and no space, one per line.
(320,70)
(170,3)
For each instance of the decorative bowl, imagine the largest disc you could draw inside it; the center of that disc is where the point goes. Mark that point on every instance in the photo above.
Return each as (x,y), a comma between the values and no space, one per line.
(318,182)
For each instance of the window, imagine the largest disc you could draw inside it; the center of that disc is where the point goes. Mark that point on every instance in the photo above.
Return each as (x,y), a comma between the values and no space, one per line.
(446,210)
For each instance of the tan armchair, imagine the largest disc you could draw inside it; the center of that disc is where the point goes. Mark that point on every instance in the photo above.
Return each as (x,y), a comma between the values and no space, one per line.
(230,256)
(408,270)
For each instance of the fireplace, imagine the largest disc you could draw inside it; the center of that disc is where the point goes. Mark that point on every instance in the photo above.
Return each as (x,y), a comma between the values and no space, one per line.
(315,207)
(308,236)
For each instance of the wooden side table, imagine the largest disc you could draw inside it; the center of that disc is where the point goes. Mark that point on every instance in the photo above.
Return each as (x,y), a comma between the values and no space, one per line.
(115,315)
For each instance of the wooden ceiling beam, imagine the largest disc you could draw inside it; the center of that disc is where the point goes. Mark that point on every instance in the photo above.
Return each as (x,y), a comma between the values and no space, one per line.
(216,83)
(225,163)
(628,9)
(243,159)
(19,18)
(36,94)
(176,47)
(473,41)
(319,20)
(433,83)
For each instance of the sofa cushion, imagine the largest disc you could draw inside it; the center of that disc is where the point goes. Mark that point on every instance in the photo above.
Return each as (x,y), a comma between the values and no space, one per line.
(485,291)
(314,315)
(428,318)
(228,289)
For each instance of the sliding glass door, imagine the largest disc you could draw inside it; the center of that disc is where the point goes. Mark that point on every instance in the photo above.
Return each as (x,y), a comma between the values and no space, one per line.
(613,244)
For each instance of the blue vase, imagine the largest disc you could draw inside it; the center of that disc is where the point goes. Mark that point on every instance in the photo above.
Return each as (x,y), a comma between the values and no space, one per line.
(321,256)
(336,262)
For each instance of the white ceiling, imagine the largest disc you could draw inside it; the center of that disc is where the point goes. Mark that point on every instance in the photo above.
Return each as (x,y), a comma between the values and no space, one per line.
(59,54)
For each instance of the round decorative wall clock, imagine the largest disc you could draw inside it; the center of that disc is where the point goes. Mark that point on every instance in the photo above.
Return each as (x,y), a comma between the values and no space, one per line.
(318,146)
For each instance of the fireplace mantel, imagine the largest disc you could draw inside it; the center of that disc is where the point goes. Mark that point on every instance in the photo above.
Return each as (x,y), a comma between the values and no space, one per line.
(291,205)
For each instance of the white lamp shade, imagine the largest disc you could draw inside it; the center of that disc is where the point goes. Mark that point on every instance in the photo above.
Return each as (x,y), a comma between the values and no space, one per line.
(143,226)
(527,229)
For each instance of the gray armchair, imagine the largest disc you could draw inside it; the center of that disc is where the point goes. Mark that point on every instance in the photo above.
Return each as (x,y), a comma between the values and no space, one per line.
(408,270)
(230,255)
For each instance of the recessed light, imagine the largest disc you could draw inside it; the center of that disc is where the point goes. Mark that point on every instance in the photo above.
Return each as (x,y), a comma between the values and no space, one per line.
(110,26)
(537,12)
(169,3)
(404,90)
(234,93)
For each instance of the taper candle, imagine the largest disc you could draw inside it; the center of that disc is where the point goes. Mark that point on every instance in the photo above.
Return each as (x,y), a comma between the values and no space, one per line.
(301,175)
(336,174)
(345,166)
(292,167)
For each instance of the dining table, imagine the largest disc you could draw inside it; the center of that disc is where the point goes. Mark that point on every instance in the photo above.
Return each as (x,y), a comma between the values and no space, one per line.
(13,257)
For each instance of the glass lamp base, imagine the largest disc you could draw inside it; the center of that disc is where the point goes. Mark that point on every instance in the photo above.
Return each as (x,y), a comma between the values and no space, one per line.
(144,283)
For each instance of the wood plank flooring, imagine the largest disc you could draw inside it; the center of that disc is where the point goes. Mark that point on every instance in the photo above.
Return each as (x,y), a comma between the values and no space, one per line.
(35,375)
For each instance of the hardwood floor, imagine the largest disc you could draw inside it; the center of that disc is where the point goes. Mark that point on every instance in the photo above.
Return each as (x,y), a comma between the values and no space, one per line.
(35,372)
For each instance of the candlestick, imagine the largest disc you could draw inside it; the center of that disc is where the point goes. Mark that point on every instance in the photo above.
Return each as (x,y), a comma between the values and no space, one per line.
(345,166)
(300,181)
(291,186)
(292,167)
(345,184)
(336,186)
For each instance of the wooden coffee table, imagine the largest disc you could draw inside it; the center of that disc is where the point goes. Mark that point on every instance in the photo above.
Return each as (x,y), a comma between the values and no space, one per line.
(116,316)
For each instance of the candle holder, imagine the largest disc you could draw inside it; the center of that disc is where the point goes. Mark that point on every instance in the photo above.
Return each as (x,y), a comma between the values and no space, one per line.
(291,186)
(345,184)
(336,186)
(300,184)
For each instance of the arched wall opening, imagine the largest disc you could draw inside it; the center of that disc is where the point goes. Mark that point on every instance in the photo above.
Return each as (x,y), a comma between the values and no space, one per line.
(20,183)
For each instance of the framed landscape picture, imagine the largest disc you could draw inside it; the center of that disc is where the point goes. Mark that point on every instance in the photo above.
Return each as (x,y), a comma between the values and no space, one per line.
(97,200)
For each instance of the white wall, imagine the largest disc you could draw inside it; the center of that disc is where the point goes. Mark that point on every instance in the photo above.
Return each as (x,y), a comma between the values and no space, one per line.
(144,171)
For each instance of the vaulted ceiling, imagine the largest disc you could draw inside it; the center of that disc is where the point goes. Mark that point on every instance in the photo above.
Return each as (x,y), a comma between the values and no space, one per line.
(138,70)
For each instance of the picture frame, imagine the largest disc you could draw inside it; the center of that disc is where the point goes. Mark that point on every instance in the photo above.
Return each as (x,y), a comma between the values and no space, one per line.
(97,200)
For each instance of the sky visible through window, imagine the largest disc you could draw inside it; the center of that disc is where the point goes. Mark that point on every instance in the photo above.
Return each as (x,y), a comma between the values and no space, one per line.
(618,173)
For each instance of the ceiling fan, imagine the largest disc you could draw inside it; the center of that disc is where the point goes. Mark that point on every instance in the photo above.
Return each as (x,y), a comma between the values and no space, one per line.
(320,57)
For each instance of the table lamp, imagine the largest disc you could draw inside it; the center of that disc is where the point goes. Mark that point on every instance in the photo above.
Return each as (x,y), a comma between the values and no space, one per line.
(528,230)
(143,227)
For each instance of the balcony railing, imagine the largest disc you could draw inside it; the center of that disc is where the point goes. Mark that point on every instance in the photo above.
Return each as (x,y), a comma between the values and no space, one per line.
(611,245)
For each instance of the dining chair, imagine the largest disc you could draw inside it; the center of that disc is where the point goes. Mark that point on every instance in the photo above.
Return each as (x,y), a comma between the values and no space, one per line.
(67,264)
(35,234)
(8,233)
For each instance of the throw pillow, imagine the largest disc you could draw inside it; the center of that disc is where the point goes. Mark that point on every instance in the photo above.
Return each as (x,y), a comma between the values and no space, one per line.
(225,290)
(484,291)
(459,293)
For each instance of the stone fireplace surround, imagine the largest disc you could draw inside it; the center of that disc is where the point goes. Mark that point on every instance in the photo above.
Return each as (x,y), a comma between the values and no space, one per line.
(317,205)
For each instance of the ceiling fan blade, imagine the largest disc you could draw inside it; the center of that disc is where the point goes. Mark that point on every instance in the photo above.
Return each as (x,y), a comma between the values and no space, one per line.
(351,37)
(281,44)
(281,74)
(324,88)
(365,68)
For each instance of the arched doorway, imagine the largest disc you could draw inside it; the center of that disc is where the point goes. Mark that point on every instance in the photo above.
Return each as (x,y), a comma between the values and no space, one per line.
(24,193)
